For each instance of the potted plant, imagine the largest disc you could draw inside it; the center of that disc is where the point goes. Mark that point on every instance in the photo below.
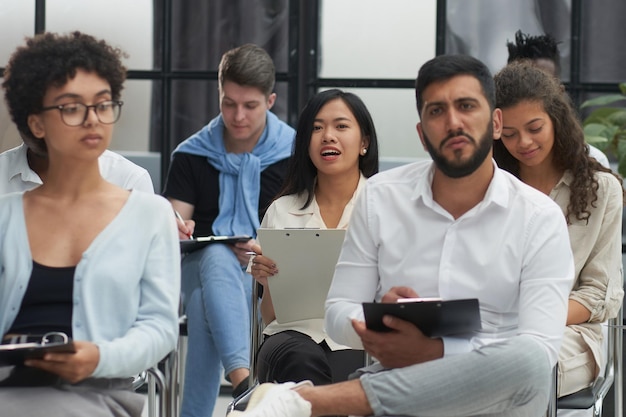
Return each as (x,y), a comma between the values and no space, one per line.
(605,126)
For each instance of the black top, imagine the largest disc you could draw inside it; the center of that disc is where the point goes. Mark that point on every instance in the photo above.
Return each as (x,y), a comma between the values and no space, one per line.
(193,180)
(47,303)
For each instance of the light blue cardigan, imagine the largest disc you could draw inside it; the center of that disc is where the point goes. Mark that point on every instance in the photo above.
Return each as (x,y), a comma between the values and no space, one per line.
(126,285)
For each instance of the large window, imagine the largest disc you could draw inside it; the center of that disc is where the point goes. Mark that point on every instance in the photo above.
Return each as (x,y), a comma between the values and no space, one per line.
(375,50)
(369,47)
(588,33)
(173,49)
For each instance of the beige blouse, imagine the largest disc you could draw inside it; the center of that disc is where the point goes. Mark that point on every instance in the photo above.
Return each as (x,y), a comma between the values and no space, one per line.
(286,212)
(597,248)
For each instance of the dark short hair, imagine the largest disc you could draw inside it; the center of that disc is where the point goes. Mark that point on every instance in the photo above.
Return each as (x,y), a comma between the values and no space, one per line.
(51,60)
(445,67)
(534,47)
(301,172)
(248,65)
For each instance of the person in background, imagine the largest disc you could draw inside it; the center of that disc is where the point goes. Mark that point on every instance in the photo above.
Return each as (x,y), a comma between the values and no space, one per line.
(454,227)
(335,151)
(221,180)
(543,144)
(22,169)
(543,51)
(68,256)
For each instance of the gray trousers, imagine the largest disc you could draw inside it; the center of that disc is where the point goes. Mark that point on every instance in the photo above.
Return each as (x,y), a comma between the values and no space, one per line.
(511,378)
(66,400)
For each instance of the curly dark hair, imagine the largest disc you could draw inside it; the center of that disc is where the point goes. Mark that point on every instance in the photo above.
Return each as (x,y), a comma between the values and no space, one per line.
(534,47)
(521,81)
(51,60)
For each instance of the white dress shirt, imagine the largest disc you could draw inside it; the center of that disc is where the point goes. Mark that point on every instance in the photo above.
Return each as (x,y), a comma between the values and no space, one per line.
(511,251)
(16,175)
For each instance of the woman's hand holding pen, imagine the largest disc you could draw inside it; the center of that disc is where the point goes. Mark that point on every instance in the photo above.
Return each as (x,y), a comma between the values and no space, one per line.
(261,267)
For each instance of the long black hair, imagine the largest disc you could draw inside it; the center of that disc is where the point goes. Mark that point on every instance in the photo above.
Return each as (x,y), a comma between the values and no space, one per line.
(301,172)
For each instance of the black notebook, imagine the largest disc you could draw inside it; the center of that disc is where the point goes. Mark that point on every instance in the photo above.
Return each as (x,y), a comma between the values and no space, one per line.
(192,245)
(17,353)
(434,318)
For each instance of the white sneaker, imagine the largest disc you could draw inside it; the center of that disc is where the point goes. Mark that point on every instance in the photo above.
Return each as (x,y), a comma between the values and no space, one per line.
(276,400)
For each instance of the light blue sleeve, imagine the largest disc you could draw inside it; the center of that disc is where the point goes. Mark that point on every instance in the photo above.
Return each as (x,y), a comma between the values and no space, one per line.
(154,332)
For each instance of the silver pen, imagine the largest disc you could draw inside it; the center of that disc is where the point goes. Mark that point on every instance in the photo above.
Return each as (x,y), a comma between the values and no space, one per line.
(179,217)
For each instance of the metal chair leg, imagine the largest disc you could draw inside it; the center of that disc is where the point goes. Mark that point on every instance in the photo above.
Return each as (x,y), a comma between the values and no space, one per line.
(165,407)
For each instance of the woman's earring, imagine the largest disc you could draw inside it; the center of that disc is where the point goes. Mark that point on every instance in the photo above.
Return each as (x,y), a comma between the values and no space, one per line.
(364,151)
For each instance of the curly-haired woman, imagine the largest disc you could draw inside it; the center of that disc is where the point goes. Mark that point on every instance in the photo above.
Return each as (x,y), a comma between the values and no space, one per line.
(78,254)
(543,144)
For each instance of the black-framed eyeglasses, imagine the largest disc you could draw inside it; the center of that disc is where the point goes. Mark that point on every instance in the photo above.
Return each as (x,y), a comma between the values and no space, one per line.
(75,114)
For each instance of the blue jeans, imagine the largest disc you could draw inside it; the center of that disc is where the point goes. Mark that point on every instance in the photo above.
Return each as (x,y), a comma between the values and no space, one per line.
(217,295)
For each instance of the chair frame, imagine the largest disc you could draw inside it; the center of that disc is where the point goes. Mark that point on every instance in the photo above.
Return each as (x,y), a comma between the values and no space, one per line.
(165,383)
(256,336)
(593,397)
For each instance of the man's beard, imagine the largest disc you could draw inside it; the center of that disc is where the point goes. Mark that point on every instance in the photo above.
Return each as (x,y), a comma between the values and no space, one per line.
(454,169)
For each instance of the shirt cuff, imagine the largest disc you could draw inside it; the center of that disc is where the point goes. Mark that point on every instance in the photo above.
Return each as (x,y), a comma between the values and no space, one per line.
(455,346)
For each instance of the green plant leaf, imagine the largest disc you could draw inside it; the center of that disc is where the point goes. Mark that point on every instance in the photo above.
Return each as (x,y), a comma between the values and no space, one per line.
(621,166)
(605,126)
(603,100)
(602,115)
(621,148)
(596,129)
(618,118)
(598,141)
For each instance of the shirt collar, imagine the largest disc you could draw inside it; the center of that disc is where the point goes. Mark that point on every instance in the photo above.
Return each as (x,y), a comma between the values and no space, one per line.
(296,206)
(20,167)
(497,192)
(567,179)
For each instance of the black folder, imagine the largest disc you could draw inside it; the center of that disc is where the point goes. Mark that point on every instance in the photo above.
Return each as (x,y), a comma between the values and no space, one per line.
(433,318)
(16,354)
(191,245)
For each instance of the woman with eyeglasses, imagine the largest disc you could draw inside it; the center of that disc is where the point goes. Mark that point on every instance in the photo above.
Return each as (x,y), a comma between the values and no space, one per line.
(80,255)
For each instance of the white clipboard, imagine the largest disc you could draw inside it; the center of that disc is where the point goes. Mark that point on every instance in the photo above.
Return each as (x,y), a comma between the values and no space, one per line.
(306,260)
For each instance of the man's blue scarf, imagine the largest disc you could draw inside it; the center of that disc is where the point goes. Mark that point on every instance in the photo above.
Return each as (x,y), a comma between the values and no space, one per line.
(240,174)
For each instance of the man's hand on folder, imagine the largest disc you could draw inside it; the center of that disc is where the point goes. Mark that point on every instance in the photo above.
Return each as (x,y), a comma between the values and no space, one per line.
(396,293)
(405,345)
